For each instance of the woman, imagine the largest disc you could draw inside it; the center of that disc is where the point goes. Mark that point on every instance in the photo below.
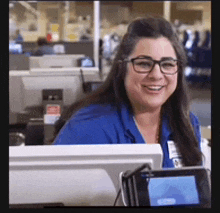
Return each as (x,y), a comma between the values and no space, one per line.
(143,100)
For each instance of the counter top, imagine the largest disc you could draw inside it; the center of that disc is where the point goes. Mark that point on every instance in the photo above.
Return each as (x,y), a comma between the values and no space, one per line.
(55,71)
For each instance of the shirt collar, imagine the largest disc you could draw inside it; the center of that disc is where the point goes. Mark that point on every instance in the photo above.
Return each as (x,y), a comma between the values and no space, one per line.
(130,127)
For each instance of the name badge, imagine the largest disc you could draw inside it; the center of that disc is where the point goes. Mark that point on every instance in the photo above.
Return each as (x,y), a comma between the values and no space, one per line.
(174,154)
(177,162)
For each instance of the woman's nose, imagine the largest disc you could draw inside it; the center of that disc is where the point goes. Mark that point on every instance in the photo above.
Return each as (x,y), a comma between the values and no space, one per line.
(155,72)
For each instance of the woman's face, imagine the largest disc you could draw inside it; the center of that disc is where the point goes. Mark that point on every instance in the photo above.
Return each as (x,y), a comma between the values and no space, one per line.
(150,91)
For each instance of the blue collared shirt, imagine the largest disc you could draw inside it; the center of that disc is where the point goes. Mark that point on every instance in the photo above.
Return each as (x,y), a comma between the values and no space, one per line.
(105,124)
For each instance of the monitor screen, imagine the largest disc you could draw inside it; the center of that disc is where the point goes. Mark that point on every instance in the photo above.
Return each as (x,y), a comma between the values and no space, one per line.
(173,191)
(15,48)
(87,62)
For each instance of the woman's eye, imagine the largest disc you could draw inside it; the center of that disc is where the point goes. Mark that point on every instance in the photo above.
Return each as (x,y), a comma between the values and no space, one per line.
(143,64)
(168,64)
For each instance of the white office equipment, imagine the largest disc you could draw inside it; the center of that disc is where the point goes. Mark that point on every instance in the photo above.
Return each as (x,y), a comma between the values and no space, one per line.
(54,61)
(75,175)
(206,150)
(59,49)
(25,88)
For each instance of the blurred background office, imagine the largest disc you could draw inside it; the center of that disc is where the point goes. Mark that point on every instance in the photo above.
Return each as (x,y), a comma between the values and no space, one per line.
(83,38)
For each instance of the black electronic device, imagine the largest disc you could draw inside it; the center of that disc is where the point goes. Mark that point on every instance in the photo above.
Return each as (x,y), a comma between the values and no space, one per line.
(91,85)
(52,100)
(187,187)
(34,132)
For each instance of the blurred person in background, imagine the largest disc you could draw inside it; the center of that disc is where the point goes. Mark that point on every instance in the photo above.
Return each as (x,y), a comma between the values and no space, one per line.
(18,38)
(43,48)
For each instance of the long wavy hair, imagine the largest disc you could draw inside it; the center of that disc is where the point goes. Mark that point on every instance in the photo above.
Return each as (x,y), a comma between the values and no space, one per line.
(113,90)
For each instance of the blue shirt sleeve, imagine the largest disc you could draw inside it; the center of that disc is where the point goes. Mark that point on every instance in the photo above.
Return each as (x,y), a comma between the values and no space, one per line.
(197,127)
(86,132)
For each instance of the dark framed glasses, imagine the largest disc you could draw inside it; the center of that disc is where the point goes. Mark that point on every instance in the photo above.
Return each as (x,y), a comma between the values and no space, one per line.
(168,65)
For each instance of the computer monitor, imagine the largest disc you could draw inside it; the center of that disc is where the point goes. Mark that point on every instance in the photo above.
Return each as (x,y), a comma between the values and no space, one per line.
(15,48)
(74,175)
(25,89)
(59,49)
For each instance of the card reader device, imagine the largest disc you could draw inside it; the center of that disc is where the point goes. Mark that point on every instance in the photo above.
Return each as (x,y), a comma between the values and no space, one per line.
(188,187)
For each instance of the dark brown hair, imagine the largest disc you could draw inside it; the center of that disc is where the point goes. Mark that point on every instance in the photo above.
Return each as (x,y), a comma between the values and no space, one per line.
(113,89)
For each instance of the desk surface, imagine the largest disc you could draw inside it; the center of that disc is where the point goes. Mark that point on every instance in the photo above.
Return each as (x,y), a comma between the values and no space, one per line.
(55,71)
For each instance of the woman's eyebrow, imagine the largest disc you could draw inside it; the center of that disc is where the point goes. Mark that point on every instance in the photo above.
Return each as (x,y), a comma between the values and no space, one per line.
(168,58)
(149,57)
(144,56)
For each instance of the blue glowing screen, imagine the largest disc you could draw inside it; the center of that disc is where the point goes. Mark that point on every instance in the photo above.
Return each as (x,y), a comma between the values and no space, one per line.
(173,191)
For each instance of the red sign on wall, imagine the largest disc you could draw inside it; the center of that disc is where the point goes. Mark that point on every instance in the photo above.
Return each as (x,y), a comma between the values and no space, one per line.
(53,110)
(49,37)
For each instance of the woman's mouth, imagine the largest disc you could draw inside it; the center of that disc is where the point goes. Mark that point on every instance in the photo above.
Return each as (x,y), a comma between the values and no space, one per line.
(154,87)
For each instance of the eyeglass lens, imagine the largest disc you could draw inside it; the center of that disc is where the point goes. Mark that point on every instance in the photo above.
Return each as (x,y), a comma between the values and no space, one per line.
(145,65)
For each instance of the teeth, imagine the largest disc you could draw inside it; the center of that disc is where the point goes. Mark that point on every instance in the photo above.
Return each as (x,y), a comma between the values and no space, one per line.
(156,88)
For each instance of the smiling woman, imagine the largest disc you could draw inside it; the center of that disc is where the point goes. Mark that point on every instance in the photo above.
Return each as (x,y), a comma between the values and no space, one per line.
(143,99)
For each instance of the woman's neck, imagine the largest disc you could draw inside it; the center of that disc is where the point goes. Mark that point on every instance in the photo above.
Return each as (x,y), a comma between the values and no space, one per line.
(148,123)
(146,118)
